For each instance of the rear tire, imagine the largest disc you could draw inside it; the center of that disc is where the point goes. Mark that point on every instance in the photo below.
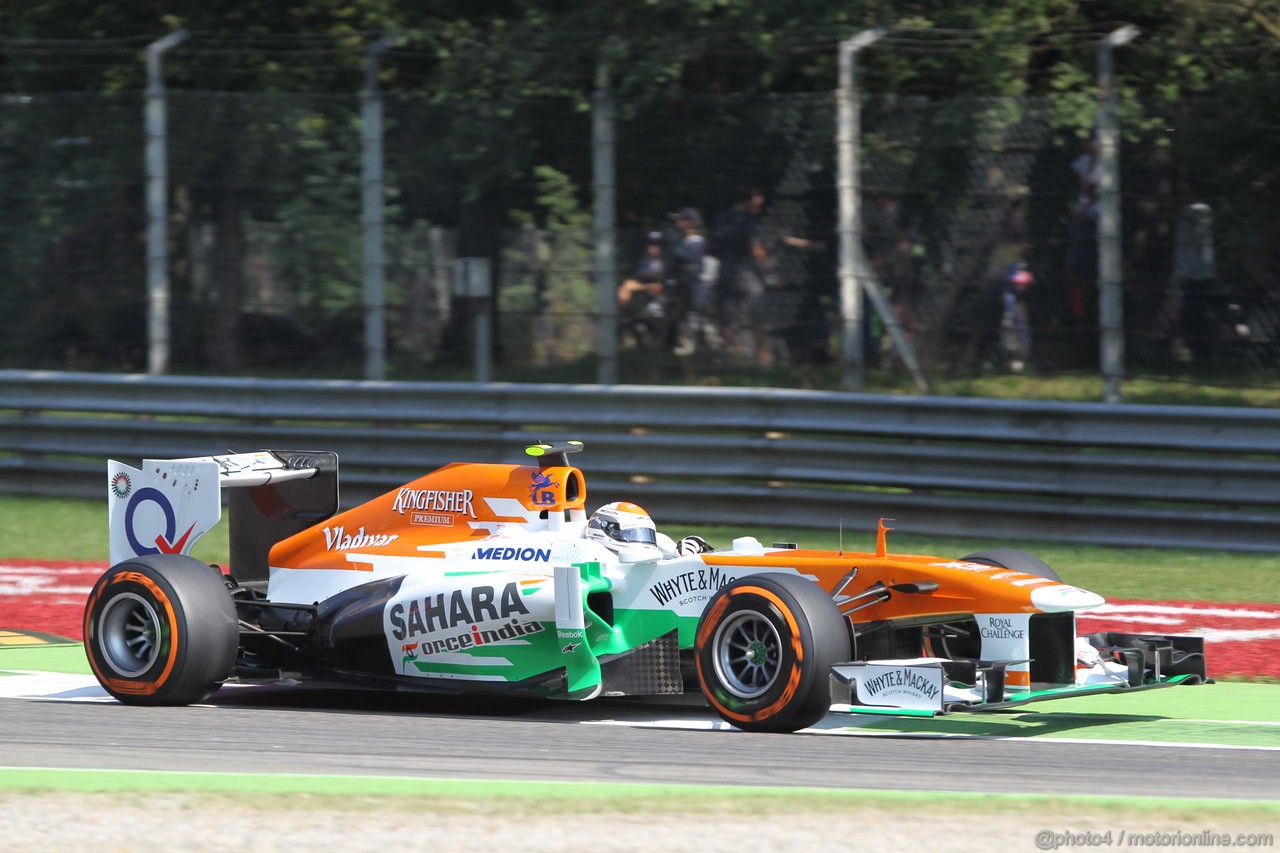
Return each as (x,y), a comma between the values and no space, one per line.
(764,650)
(161,630)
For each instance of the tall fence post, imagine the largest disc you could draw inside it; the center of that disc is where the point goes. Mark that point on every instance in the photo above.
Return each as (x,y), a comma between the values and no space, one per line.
(603,140)
(371,213)
(855,274)
(1110,284)
(156,122)
(848,139)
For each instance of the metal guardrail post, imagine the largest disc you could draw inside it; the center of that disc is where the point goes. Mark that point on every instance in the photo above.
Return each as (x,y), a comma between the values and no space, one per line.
(603,171)
(158,206)
(371,213)
(847,180)
(1110,277)
(473,281)
(856,276)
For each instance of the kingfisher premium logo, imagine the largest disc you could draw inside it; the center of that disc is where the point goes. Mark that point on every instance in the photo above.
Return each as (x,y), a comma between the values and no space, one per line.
(431,500)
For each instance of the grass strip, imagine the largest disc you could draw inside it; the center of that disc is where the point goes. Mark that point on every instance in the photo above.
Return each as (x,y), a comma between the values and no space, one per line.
(592,796)
(68,659)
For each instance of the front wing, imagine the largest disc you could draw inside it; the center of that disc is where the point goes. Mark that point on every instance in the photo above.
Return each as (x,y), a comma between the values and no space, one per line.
(933,686)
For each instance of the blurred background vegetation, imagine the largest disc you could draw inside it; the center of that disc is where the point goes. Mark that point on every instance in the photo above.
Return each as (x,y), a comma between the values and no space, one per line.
(975,114)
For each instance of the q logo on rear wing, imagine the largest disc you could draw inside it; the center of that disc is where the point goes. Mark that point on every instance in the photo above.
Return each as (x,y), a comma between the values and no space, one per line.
(164,541)
(162,508)
(165,506)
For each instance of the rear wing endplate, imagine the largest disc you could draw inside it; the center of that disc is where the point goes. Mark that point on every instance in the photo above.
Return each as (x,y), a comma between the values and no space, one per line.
(167,505)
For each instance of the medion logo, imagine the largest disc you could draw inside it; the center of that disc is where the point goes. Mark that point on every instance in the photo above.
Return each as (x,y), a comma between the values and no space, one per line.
(540,555)
(435,501)
(337,539)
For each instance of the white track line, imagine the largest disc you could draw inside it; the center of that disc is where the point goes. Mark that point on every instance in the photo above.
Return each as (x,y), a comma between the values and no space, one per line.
(59,687)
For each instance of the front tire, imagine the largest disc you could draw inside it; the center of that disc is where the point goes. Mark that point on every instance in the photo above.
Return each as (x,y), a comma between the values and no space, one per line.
(764,650)
(161,630)
(964,642)
(1015,561)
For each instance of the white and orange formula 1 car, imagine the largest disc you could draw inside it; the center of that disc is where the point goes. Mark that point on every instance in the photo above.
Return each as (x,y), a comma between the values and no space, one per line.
(494,578)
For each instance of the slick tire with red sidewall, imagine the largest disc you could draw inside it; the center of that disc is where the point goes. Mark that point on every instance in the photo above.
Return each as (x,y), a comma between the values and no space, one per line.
(1016,561)
(764,649)
(959,640)
(161,630)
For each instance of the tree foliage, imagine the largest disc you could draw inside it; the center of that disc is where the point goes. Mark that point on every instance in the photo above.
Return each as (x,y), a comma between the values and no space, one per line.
(494,101)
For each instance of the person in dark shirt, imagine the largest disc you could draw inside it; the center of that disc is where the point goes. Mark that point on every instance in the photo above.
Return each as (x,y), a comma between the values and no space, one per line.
(682,255)
(641,301)
(736,243)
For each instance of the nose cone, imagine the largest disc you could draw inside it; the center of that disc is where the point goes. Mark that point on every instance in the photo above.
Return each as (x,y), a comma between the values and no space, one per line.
(1061,598)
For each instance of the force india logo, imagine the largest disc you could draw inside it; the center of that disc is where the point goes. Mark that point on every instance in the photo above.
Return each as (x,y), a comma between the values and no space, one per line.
(463,610)
(430,500)
(471,638)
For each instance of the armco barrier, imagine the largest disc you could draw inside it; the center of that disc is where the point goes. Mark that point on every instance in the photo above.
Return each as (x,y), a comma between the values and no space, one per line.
(1131,475)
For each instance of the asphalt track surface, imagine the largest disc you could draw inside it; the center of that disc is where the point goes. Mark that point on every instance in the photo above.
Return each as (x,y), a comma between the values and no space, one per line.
(311,731)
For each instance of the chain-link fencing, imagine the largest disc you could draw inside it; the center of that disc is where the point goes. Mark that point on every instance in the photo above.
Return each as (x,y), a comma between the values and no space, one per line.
(978,219)
(72,218)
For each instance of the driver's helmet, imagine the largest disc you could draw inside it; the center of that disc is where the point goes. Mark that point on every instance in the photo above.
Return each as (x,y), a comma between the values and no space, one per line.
(622,525)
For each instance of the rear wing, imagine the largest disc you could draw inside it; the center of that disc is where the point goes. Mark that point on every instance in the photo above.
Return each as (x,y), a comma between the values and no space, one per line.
(167,505)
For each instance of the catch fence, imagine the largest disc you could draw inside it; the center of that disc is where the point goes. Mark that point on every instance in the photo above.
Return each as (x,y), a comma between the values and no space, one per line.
(979,221)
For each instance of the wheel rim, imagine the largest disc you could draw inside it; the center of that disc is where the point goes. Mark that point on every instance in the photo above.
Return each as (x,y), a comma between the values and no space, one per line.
(129,634)
(747,654)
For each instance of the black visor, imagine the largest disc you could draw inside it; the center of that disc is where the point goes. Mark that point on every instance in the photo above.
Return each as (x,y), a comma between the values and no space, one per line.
(643,535)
